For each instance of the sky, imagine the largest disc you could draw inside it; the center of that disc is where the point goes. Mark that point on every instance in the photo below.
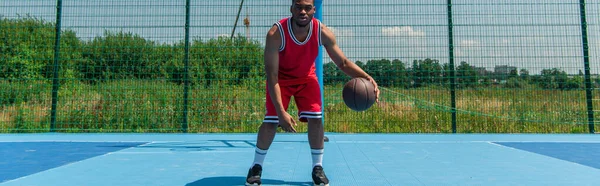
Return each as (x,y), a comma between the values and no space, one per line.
(530,34)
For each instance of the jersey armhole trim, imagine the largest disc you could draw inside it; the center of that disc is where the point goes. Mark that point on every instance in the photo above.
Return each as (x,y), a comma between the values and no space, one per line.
(319,32)
(281,33)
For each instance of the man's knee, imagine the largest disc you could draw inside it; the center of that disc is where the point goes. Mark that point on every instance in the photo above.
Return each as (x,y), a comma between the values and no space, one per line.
(315,121)
(269,126)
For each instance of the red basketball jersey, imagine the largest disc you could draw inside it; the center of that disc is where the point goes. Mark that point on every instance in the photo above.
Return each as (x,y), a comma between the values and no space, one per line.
(297,58)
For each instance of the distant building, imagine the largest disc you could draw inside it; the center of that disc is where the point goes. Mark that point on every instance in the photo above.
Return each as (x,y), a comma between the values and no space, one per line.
(504,69)
(481,71)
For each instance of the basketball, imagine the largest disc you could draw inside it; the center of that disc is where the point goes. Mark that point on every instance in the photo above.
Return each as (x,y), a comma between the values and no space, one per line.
(359,94)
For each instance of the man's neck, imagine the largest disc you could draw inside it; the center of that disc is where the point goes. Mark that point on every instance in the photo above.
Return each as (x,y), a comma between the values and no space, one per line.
(298,29)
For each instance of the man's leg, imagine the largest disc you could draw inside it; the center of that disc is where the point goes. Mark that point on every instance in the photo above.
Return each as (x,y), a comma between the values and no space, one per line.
(264,139)
(267,130)
(315,140)
(308,100)
(266,134)
(315,133)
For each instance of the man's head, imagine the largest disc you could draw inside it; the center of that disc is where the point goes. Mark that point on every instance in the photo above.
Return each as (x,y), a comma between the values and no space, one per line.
(302,11)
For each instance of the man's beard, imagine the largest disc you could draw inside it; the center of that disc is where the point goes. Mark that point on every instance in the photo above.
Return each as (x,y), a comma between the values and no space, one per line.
(299,25)
(302,26)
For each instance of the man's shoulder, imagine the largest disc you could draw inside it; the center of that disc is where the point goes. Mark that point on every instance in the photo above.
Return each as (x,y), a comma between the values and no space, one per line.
(283,20)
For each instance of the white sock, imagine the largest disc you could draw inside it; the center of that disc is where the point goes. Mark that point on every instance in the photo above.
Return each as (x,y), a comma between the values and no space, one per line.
(259,156)
(317,157)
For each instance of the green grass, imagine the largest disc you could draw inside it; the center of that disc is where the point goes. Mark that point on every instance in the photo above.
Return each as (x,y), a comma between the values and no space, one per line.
(157,106)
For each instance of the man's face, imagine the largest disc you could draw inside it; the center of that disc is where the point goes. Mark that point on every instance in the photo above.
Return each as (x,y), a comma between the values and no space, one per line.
(303,12)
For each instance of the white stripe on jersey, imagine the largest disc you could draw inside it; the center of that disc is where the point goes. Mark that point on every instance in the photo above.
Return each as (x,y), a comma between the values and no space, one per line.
(319,31)
(294,37)
(281,32)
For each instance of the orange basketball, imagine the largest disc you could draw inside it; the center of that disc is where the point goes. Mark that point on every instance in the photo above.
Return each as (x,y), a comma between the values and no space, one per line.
(359,94)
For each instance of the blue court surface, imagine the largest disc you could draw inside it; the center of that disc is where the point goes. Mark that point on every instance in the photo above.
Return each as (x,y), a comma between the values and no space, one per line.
(350,159)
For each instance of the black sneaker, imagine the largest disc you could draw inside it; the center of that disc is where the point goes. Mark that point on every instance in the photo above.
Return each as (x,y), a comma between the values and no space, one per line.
(254,174)
(318,176)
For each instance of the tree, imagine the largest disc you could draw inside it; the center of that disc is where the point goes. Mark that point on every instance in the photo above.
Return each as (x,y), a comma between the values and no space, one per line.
(381,70)
(426,72)
(27,52)
(399,74)
(552,79)
(513,73)
(332,74)
(360,64)
(466,75)
(524,74)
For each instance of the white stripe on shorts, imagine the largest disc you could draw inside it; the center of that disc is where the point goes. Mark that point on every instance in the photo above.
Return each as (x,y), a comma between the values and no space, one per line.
(311,114)
(271,119)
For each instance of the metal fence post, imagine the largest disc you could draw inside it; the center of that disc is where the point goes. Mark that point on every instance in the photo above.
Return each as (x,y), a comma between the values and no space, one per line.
(586,63)
(55,82)
(186,87)
(451,65)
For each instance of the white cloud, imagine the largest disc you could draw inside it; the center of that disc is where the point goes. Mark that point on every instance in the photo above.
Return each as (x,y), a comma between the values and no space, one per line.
(223,35)
(402,31)
(469,43)
(341,32)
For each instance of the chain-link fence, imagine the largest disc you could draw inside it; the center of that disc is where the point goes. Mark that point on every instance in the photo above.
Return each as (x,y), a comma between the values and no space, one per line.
(463,66)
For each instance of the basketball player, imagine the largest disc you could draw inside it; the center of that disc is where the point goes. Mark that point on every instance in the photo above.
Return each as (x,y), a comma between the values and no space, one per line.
(292,46)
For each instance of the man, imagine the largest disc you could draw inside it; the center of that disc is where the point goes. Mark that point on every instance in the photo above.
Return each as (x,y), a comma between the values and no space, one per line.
(292,46)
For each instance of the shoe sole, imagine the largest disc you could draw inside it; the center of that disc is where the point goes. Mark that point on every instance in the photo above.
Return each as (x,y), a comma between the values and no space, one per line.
(254,184)
(321,184)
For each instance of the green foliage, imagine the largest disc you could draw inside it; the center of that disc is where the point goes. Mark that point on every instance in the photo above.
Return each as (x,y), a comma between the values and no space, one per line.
(427,72)
(557,79)
(123,82)
(524,74)
(388,73)
(156,106)
(574,83)
(515,83)
(27,50)
(225,61)
(24,91)
(332,74)
(119,56)
(466,75)
(24,105)
(213,62)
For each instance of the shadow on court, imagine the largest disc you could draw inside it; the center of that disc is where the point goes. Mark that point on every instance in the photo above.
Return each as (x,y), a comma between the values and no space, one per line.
(238,181)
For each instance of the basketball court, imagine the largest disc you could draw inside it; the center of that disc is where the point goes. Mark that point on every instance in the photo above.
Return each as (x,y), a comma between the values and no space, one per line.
(350,159)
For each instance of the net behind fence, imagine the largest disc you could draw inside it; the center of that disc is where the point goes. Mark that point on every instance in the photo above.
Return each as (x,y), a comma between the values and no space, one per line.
(197,66)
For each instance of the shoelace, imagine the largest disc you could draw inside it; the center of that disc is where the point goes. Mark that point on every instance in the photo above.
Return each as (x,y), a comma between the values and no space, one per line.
(319,173)
(256,172)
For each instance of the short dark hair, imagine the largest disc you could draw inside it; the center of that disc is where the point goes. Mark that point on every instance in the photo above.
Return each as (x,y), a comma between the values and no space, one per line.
(294,1)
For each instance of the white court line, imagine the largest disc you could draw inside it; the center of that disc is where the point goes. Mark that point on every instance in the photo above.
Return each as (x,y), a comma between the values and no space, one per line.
(486,141)
(342,141)
(77,141)
(66,165)
(498,141)
(409,142)
(495,144)
(174,152)
(540,154)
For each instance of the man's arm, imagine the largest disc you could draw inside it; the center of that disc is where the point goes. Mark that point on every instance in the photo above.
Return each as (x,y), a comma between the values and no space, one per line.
(343,63)
(271,57)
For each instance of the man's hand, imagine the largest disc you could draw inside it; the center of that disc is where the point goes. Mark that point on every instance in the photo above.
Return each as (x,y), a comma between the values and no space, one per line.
(287,123)
(376,89)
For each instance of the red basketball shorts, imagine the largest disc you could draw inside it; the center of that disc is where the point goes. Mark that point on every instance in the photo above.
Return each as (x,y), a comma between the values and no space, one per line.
(307,96)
